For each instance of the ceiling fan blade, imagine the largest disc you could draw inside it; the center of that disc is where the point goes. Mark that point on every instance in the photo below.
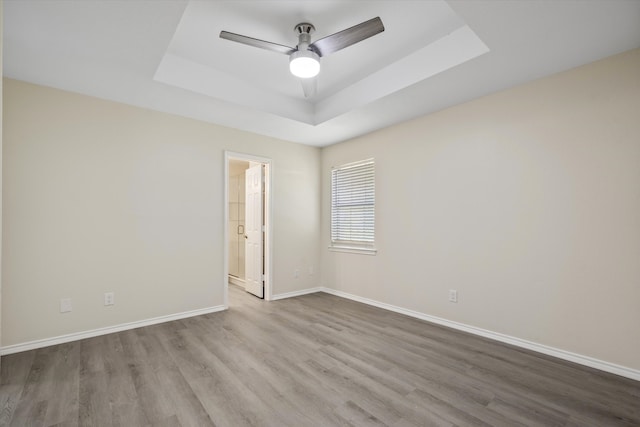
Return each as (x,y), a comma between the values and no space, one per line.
(309,86)
(346,38)
(274,47)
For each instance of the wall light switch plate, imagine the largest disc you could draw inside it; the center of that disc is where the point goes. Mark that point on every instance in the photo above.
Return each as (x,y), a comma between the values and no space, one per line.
(65,305)
(109,298)
(453,295)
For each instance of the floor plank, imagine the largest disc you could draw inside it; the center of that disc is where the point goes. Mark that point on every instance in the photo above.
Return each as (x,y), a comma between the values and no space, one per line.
(315,360)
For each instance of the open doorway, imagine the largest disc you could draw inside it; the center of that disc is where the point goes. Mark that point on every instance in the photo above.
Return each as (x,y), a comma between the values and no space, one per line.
(247,225)
(237,216)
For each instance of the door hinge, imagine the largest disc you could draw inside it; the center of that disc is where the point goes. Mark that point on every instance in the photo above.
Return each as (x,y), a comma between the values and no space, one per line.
(264,278)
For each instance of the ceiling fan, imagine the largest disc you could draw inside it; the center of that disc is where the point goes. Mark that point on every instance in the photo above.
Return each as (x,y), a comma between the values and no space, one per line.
(304,59)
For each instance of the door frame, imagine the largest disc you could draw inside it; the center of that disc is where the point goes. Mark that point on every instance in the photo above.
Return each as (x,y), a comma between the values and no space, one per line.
(268,213)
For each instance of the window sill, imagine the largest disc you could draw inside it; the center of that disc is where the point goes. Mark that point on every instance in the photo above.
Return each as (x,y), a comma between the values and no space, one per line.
(353,250)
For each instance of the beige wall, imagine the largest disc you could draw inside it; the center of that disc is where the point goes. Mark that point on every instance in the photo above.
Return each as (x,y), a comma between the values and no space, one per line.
(526,201)
(100,196)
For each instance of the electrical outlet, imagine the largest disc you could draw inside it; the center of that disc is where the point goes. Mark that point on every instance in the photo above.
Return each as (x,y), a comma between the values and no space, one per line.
(296,273)
(109,298)
(453,295)
(311,272)
(65,305)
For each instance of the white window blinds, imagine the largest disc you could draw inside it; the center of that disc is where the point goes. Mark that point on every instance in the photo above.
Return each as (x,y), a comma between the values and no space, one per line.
(353,204)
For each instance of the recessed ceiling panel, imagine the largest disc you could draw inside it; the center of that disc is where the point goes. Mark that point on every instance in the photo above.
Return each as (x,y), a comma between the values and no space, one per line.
(421,39)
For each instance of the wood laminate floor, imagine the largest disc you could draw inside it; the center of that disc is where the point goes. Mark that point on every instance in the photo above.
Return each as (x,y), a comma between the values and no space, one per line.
(315,360)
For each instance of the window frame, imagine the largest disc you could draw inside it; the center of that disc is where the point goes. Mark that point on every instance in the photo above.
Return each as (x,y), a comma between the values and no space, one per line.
(365,245)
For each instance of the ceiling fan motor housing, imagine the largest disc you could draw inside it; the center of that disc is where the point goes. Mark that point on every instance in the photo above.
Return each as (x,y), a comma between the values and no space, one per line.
(304,31)
(305,61)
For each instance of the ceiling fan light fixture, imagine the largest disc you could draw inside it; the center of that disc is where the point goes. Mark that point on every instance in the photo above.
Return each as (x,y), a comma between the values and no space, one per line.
(304,59)
(304,64)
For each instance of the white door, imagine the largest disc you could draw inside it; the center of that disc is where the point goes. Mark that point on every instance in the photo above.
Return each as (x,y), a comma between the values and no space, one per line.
(254,264)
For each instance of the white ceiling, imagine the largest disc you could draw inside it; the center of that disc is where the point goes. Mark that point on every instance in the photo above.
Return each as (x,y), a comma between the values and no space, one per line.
(421,41)
(167,56)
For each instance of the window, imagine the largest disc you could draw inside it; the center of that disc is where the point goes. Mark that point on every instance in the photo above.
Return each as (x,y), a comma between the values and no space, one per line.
(353,207)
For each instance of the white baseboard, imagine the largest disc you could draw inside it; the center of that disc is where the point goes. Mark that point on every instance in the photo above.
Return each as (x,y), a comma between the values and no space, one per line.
(297,293)
(236,281)
(31,345)
(540,348)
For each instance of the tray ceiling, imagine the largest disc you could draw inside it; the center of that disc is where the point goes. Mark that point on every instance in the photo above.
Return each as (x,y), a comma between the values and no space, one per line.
(433,54)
